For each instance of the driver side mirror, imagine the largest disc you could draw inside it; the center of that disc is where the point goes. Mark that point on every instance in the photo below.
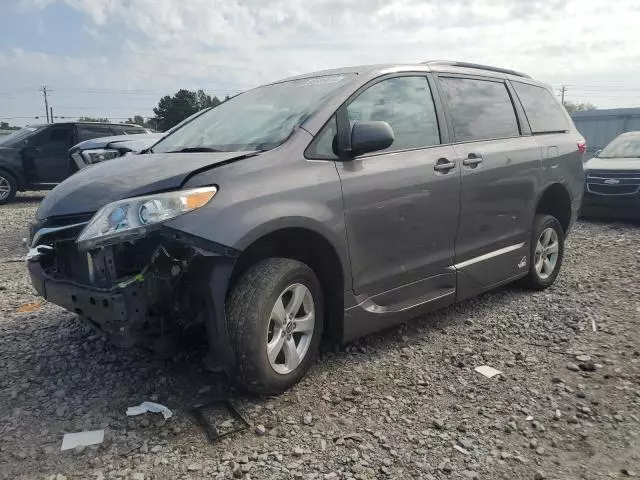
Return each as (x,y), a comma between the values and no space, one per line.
(367,137)
(598,152)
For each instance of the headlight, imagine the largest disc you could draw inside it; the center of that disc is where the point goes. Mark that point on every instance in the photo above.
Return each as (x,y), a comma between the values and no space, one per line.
(99,155)
(135,217)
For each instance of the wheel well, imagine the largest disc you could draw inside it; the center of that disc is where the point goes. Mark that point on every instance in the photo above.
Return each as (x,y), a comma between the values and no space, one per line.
(557,202)
(312,249)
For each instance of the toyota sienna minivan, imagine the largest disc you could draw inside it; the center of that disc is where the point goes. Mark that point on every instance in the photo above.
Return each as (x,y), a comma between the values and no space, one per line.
(333,205)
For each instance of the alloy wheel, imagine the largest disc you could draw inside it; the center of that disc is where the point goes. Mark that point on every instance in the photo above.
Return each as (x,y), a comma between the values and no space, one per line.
(5,188)
(290,329)
(547,251)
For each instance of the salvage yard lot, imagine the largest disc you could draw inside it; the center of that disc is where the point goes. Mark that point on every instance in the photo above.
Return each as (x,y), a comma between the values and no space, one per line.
(405,403)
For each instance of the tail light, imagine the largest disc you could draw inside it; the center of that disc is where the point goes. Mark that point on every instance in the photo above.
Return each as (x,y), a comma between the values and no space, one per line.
(582,147)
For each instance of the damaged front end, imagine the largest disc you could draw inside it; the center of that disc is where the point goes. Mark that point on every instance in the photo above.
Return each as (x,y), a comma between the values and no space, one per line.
(148,291)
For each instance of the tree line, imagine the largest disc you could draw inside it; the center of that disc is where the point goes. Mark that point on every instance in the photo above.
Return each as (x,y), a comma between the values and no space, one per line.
(578,106)
(171,110)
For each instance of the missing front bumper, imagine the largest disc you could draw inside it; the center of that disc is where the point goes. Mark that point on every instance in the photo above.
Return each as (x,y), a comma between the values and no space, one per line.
(122,313)
(145,294)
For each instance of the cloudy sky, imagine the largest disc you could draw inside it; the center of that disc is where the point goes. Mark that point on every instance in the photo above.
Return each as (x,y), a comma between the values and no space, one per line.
(115,58)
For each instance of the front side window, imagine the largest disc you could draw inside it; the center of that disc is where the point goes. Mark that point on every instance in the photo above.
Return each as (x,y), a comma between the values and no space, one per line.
(260,119)
(324,146)
(54,136)
(18,137)
(406,104)
(480,109)
(544,113)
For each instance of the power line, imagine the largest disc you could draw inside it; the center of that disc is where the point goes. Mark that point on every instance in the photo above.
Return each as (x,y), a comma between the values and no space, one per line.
(99,107)
(36,117)
(71,91)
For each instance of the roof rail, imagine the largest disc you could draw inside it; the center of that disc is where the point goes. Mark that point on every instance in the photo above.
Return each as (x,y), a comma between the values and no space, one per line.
(476,65)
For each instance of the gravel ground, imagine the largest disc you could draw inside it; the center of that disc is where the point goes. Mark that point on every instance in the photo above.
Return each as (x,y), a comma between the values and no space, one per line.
(405,403)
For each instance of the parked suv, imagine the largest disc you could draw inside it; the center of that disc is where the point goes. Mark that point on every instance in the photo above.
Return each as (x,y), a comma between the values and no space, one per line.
(96,150)
(37,157)
(100,149)
(337,204)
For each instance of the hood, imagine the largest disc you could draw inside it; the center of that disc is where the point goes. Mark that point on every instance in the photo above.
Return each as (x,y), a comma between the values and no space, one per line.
(134,143)
(598,163)
(128,176)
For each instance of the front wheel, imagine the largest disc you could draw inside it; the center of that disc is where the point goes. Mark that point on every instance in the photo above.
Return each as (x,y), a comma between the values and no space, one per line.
(547,252)
(8,187)
(275,319)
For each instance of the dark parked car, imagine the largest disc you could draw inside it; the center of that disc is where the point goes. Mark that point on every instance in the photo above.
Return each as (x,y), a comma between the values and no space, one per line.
(98,150)
(613,180)
(337,203)
(37,157)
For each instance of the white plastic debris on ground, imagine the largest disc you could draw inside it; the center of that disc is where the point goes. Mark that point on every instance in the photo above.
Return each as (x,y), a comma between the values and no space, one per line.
(145,407)
(82,439)
(487,371)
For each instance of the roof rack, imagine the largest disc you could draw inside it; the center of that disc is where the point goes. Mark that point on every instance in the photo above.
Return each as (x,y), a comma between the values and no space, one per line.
(476,65)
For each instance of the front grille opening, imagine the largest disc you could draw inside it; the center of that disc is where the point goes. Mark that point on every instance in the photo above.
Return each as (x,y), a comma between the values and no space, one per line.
(65,220)
(620,174)
(613,189)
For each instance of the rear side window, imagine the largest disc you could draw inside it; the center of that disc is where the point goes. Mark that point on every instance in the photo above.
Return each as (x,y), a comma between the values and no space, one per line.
(127,130)
(480,109)
(543,111)
(406,104)
(87,132)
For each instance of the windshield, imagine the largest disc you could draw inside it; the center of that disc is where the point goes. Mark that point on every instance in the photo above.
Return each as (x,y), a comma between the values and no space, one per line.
(260,119)
(622,147)
(14,139)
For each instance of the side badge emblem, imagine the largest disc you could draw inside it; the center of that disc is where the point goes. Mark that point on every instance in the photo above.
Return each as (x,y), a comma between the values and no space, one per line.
(523,262)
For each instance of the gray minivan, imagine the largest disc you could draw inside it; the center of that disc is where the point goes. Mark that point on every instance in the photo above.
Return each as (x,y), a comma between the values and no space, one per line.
(332,204)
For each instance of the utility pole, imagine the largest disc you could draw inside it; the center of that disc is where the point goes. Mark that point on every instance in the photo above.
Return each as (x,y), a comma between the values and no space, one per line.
(46,102)
(51,110)
(563,90)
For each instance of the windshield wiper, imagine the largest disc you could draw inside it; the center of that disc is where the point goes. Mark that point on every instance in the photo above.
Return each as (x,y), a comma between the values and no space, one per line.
(196,150)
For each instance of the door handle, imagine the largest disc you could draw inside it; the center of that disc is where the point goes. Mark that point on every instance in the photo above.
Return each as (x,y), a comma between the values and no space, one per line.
(472,160)
(444,165)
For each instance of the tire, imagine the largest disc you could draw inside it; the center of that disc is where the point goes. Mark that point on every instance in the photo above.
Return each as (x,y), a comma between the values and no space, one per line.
(8,187)
(253,323)
(537,279)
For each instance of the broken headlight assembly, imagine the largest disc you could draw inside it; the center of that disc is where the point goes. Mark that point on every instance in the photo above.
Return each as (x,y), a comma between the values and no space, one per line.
(134,218)
(99,155)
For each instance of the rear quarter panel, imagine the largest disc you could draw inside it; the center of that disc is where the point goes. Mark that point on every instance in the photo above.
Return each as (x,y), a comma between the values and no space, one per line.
(562,163)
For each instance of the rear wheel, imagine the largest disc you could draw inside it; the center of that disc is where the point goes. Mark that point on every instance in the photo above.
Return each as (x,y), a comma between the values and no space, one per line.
(275,319)
(8,187)
(547,252)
